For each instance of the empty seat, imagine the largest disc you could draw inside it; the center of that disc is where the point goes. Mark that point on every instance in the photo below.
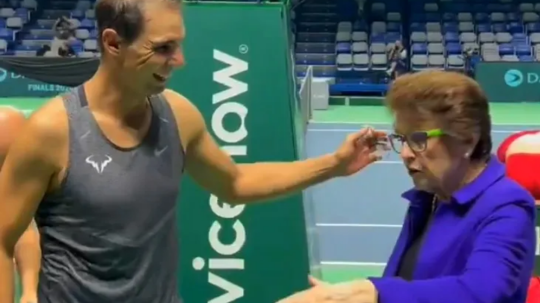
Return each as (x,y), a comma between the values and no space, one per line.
(90,45)
(343,48)
(418,37)
(486,37)
(453,49)
(29,4)
(489,57)
(82,34)
(14,22)
(3,45)
(523,50)
(433,27)
(436,61)
(419,48)
(90,14)
(435,48)
(379,62)
(434,37)
(359,36)
(85,55)
(526,7)
(343,36)
(483,28)
(361,62)
(467,37)
(466,27)
(393,16)
(431,7)
(464,16)
(393,27)
(7,12)
(510,58)
(506,49)
(534,38)
(451,38)
(359,47)
(530,17)
(497,17)
(344,62)
(455,61)
(378,27)
(378,48)
(503,37)
(419,62)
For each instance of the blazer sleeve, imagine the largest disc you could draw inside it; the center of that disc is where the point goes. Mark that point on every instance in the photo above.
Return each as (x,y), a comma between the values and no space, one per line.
(502,251)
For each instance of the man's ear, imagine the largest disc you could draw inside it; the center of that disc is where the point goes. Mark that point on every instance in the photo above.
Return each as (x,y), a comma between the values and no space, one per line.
(110,41)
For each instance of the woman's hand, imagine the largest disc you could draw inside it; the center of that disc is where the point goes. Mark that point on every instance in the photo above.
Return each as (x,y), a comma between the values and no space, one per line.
(349,292)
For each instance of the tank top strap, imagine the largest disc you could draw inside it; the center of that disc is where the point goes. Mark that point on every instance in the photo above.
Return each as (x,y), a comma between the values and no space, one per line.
(169,127)
(72,101)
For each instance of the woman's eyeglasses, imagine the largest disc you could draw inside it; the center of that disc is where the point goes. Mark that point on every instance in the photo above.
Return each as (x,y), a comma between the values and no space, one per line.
(416,141)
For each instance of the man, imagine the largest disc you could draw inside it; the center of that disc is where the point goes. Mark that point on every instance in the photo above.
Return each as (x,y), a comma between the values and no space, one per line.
(396,55)
(100,168)
(64,35)
(27,252)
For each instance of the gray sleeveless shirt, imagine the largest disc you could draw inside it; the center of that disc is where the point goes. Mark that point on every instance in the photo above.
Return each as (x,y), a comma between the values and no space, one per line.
(109,235)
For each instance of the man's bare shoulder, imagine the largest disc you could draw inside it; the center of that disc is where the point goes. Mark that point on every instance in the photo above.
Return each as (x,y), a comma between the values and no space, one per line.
(179,103)
(189,119)
(49,123)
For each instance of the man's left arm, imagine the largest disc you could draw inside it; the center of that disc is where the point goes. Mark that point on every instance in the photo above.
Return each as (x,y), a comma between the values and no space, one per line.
(28,260)
(234,183)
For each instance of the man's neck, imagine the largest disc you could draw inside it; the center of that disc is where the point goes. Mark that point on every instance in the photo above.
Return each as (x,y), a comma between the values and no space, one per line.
(106,94)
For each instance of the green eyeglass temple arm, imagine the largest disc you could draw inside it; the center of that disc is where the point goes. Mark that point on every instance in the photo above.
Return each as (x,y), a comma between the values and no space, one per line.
(434,133)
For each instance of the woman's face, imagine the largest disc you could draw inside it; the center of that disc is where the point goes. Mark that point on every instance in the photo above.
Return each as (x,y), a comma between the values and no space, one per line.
(435,159)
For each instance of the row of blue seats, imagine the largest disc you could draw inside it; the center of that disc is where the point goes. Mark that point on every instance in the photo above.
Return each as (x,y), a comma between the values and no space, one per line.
(453,27)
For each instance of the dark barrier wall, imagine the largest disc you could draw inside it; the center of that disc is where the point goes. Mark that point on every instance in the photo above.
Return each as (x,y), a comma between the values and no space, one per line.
(42,77)
(17,85)
(510,81)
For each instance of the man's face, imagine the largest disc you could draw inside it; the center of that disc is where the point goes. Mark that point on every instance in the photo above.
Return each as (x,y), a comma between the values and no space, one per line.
(149,61)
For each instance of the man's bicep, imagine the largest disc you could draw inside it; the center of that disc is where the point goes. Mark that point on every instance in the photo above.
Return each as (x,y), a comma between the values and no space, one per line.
(210,166)
(24,179)
(206,163)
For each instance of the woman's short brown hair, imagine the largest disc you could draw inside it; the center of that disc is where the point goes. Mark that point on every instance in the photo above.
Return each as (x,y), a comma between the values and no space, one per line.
(453,100)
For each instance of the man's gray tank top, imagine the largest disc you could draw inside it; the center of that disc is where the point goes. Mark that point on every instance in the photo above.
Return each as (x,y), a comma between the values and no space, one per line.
(109,235)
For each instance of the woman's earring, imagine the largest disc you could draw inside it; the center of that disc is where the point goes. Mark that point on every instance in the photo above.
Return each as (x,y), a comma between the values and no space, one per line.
(467,155)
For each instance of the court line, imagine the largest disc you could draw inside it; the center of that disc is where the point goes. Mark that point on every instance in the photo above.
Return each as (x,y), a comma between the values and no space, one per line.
(312,122)
(388,162)
(344,130)
(358,225)
(340,263)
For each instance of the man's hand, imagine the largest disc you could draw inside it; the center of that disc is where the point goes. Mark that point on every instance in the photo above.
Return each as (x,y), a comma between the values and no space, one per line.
(28,298)
(348,292)
(358,151)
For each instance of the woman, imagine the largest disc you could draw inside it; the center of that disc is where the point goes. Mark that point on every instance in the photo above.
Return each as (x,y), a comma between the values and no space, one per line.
(468,234)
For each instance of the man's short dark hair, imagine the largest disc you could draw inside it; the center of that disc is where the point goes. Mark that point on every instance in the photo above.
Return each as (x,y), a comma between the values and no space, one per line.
(123,16)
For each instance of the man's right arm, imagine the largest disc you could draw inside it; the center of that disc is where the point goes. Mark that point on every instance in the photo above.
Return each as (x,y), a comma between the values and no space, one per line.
(25,176)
